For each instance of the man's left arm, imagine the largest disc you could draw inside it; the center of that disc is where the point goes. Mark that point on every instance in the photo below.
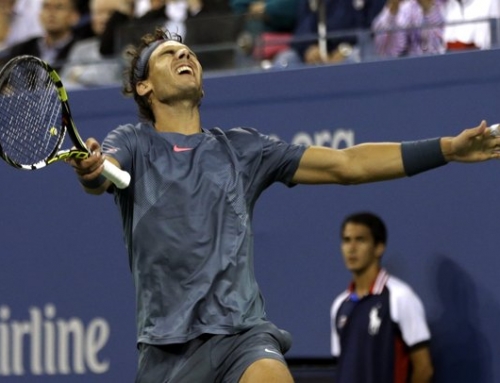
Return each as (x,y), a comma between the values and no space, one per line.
(409,313)
(421,365)
(372,162)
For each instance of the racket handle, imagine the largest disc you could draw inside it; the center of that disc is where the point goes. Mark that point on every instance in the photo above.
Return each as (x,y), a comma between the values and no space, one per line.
(495,130)
(119,177)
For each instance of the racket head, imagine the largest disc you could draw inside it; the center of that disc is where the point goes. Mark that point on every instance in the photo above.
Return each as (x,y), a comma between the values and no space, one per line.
(34,113)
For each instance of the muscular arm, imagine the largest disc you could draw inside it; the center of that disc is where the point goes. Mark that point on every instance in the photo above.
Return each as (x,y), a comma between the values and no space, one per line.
(357,164)
(373,162)
(421,363)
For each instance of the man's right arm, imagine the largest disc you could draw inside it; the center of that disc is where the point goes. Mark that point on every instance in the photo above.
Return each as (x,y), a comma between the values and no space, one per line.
(89,170)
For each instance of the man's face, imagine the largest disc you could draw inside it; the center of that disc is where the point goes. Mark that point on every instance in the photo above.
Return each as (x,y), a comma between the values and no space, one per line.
(175,73)
(359,249)
(58,16)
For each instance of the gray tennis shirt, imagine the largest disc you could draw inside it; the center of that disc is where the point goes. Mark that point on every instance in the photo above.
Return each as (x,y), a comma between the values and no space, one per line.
(187,225)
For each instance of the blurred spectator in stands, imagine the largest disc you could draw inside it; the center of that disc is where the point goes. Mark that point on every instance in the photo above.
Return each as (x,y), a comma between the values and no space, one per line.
(58,18)
(348,20)
(19,21)
(172,14)
(123,28)
(409,28)
(83,29)
(460,33)
(85,66)
(268,15)
(143,6)
(269,25)
(201,23)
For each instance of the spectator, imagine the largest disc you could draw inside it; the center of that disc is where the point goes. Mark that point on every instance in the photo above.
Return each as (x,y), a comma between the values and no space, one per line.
(409,28)
(269,25)
(58,17)
(461,33)
(345,18)
(379,330)
(85,66)
(200,22)
(123,29)
(19,21)
(143,6)
(83,29)
(275,15)
(121,26)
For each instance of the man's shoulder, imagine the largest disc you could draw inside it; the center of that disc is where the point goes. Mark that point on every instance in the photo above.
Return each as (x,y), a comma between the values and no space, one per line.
(398,287)
(129,127)
(339,299)
(25,47)
(238,136)
(128,130)
(29,46)
(240,131)
(85,49)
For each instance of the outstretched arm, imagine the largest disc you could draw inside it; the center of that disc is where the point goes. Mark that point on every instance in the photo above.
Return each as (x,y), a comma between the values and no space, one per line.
(373,162)
(357,164)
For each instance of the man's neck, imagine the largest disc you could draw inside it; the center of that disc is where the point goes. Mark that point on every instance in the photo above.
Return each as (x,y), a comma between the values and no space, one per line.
(177,118)
(363,281)
(53,39)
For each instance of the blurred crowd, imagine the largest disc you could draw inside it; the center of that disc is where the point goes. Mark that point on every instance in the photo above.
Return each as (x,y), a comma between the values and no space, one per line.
(85,39)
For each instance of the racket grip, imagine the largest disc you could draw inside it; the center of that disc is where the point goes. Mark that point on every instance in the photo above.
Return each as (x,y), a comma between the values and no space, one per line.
(119,177)
(495,130)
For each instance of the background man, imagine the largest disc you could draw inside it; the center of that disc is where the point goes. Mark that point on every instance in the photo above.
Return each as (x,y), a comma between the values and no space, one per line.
(379,330)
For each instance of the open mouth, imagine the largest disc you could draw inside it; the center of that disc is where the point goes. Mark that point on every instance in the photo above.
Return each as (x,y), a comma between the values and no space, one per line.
(184,69)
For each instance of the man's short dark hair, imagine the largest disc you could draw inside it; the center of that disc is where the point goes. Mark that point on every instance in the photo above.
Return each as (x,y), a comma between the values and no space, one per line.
(131,79)
(371,221)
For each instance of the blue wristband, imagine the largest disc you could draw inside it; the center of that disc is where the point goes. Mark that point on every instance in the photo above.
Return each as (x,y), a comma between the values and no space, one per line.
(93,184)
(420,156)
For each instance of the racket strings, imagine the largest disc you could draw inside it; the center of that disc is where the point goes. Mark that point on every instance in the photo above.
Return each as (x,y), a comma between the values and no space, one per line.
(30,114)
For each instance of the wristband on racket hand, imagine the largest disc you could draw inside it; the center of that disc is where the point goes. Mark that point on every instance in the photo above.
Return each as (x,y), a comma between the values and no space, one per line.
(420,156)
(93,183)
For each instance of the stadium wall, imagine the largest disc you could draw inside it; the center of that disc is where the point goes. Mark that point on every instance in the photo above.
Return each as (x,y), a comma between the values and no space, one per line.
(66,295)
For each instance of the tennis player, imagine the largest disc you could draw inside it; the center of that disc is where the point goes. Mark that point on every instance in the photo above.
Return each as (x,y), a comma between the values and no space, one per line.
(187,216)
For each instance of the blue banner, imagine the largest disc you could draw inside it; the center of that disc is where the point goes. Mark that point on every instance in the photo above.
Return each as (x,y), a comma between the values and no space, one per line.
(66,295)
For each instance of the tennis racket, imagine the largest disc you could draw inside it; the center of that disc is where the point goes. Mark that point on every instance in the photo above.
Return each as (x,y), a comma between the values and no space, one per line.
(35,117)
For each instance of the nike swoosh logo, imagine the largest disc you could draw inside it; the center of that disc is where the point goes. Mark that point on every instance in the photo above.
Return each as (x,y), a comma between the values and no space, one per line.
(272,351)
(180,149)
